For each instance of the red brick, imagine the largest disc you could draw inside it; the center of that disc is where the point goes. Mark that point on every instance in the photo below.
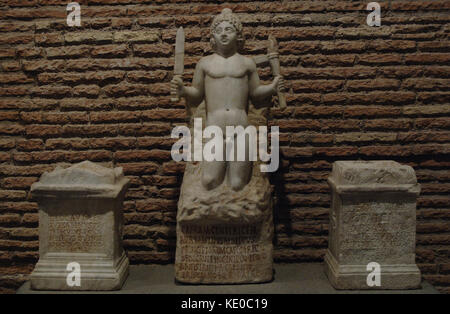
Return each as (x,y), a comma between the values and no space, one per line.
(336,151)
(7,143)
(121,22)
(40,66)
(426,84)
(15,39)
(68,144)
(137,155)
(172,167)
(49,39)
(116,51)
(5,157)
(113,143)
(9,219)
(311,138)
(90,91)
(14,91)
(12,195)
(164,114)
(358,137)
(388,124)
(401,71)
(308,199)
(27,52)
(138,168)
(30,145)
(95,155)
(294,47)
(9,116)
(10,66)
(371,111)
(386,151)
(11,129)
(432,46)
(296,152)
(379,59)
(377,84)
(51,91)
(427,58)
(115,116)
(392,45)
(419,5)
(432,123)
(316,85)
(153,50)
(43,130)
(132,129)
(68,52)
(146,76)
(16,27)
(7,53)
(69,104)
(155,204)
(17,182)
(328,60)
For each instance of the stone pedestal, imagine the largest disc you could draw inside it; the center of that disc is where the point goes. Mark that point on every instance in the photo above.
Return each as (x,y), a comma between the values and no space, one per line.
(372,219)
(224,236)
(81,221)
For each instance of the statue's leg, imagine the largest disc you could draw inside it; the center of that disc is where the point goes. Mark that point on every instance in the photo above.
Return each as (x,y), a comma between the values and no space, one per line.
(239,171)
(213,173)
(239,174)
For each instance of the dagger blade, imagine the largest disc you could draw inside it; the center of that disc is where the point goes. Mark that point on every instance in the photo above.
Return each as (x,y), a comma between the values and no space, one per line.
(179,52)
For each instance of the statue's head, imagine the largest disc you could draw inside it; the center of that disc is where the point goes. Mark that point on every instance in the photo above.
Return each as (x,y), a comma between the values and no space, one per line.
(228,26)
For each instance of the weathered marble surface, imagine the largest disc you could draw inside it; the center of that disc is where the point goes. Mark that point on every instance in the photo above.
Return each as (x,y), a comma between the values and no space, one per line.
(81,220)
(224,220)
(224,236)
(372,219)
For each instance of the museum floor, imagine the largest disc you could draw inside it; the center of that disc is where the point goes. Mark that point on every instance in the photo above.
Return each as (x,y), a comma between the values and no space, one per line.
(289,279)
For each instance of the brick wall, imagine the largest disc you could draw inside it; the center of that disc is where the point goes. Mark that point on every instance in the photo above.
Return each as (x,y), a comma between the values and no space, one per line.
(100,92)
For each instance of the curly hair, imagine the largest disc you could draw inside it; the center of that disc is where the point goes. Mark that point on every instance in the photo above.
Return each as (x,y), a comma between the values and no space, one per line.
(227,16)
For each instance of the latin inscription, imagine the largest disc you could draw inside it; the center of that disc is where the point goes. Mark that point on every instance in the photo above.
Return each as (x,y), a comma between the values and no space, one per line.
(380,227)
(218,252)
(75,233)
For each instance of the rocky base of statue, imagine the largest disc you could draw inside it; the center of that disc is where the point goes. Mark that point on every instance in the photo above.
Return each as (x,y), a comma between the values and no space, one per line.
(224,236)
(97,273)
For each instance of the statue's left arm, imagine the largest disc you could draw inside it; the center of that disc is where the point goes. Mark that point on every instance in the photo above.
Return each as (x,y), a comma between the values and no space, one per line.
(258,92)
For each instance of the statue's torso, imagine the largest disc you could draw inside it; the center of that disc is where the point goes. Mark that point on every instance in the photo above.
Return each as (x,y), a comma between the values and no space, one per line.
(226,90)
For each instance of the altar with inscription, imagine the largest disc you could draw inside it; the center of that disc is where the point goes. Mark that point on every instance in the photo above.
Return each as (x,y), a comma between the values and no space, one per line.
(80,223)
(372,222)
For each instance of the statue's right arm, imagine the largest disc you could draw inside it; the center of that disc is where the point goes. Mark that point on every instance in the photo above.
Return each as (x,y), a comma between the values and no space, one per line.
(194,94)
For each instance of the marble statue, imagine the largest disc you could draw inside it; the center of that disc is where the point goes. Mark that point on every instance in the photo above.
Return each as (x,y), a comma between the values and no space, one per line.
(224,219)
(226,81)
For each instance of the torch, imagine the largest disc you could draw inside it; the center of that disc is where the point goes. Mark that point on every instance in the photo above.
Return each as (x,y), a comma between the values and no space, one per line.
(272,54)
